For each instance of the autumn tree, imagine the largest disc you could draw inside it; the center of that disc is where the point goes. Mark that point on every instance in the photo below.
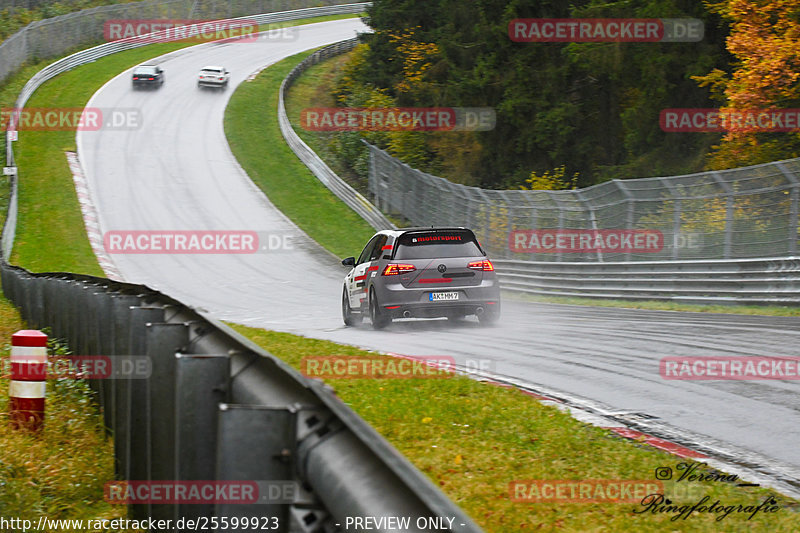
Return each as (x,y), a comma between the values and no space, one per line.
(764,41)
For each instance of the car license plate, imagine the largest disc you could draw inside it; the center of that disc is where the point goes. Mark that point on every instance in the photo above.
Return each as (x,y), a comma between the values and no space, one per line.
(443,296)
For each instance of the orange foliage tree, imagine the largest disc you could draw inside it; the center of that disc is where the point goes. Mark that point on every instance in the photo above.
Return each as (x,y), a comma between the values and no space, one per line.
(765,42)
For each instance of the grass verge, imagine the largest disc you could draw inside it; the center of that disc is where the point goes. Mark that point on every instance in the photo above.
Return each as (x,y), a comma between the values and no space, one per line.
(253,132)
(472,439)
(59,473)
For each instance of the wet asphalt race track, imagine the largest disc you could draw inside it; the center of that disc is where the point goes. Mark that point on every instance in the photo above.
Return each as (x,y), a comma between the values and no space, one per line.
(177,173)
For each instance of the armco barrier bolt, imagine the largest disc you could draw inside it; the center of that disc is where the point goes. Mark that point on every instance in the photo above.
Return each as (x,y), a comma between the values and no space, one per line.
(28,378)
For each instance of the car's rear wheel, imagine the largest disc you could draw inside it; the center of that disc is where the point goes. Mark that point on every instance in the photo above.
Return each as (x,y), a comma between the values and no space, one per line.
(490,316)
(378,318)
(350,318)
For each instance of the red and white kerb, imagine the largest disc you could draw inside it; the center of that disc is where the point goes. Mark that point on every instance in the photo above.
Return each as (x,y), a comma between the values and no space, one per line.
(28,378)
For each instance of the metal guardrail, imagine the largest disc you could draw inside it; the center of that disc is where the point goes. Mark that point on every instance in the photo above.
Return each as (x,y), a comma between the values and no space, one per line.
(772,281)
(315,164)
(216,406)
(92,54)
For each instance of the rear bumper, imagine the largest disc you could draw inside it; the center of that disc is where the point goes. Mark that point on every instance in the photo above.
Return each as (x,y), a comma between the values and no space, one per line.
(397,301)
(423,311)
(210,83)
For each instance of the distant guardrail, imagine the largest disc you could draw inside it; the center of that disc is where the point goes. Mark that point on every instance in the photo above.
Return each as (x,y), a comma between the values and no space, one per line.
(315,164)
(772,281)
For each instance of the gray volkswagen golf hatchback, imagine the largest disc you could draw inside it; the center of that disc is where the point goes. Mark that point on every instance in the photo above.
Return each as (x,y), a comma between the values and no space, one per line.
(420,273)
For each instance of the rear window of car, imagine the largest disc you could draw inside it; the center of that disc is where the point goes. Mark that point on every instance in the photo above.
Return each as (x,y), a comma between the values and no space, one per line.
(144,70)
(435,244)
(212,70)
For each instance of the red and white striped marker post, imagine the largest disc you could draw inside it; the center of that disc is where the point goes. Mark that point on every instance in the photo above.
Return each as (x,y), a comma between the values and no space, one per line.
(28,378)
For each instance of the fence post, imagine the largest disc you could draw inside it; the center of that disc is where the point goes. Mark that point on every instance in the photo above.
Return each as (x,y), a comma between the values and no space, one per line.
(794,208)
(728,213)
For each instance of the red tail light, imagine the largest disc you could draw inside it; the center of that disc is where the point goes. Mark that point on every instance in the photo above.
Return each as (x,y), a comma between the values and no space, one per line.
(484,265)
(395,269)
(150,78)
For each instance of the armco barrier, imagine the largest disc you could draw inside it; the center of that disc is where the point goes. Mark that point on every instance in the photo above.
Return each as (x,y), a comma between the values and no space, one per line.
(774,281)
(317,166)
(217,407)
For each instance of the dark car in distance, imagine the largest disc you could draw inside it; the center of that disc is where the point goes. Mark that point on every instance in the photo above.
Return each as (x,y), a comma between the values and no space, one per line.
(420,273)
(147,76)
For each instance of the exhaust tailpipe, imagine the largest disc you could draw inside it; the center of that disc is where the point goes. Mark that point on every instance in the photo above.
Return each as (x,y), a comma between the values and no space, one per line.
(406,314)
(479,311)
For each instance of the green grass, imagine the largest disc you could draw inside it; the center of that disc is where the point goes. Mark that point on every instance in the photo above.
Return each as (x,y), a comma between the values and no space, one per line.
(471,439)
(60,472)
(257,143)
(50,231)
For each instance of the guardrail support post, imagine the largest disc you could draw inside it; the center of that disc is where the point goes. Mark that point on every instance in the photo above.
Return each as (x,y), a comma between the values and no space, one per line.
(164,341)
(202,382)
(138,404)
(258,444)
(120,395)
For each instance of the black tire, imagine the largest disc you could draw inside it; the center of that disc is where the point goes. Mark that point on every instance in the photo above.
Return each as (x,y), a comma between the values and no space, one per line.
(378,318)
(350,318)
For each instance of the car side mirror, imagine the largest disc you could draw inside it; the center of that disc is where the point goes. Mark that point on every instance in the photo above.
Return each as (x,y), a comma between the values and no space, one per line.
(349,261)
